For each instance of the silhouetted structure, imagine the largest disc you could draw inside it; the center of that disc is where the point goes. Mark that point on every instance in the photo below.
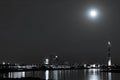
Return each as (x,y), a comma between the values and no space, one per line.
(109,53)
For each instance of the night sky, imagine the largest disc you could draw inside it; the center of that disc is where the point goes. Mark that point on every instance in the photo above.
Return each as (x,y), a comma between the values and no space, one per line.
(32,30)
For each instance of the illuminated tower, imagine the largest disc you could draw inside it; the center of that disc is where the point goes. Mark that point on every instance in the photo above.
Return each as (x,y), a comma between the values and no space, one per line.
(109,53)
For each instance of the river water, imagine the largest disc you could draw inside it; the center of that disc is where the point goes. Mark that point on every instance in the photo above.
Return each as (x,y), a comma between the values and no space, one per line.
(88,74)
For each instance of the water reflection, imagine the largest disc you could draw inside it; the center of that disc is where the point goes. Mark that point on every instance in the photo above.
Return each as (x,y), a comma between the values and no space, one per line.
(109,76)
(16,74)
(92,74)
(55,75)
(12,75)
(88,74)
(51,75)
(47,75)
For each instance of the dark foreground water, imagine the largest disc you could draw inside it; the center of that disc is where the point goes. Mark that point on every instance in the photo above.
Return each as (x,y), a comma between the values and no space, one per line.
(90,74)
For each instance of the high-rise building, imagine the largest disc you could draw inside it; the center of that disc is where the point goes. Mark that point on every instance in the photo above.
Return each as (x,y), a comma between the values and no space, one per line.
(109,53)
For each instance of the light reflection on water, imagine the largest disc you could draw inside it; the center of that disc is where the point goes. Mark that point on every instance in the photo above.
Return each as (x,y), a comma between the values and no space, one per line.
(12,75)
(47,75)
(93,74)
(109,76)
(88,74)
(16,74)
(55,73)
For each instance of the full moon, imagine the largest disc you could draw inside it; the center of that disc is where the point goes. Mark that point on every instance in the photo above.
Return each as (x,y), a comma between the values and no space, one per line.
(93,13)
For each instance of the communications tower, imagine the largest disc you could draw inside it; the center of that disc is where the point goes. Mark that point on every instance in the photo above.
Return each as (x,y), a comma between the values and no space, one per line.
(109,53)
